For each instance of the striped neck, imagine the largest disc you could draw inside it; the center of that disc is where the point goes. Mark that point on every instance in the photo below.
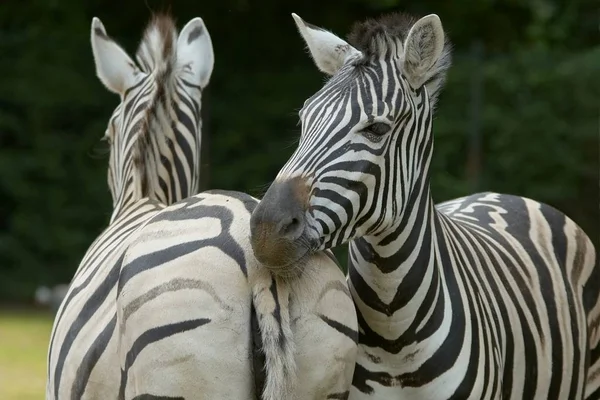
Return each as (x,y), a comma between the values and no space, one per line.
(169,146)
(130,192)
(159,156)
(397,279)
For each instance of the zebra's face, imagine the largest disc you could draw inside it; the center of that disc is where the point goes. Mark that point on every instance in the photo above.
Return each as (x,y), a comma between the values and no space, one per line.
(364,148)
(154,133)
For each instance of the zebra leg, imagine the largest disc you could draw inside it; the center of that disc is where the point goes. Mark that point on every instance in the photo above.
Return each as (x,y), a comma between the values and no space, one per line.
(325,330)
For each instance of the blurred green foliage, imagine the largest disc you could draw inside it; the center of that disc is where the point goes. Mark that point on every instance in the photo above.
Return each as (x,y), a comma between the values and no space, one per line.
(537,117)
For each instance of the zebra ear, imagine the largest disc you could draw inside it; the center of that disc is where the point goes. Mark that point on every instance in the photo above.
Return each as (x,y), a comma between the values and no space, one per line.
(195,51)
(327,50)
(422,50)
(113,66)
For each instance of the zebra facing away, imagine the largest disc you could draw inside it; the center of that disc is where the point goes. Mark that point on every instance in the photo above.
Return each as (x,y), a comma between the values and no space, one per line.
(154,139)
(488,296)
(169,301)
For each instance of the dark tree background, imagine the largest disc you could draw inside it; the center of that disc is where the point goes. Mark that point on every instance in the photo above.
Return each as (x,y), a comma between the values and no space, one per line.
(519,113)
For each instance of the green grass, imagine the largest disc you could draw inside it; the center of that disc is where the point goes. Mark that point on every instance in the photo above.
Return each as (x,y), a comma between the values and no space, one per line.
(24,337)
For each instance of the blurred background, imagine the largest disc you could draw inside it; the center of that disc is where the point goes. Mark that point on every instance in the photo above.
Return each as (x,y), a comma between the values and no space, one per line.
(519,114)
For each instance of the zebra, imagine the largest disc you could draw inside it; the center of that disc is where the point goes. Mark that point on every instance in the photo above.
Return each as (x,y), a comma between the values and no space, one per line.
(488,296)
(154,140)
(127,328)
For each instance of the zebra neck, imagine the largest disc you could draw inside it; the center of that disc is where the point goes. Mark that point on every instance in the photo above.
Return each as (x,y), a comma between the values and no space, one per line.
(396,277)
(171,172)
(128,195)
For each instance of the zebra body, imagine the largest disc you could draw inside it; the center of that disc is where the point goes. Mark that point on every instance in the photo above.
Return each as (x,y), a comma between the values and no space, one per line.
(489,296)
(154,139)
(499,311)
(194,257)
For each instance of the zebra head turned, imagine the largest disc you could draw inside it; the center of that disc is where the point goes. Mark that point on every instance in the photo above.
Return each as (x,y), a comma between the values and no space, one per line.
(365,146)
(154,133)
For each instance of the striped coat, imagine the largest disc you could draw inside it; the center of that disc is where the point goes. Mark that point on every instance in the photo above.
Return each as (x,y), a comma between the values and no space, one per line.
(171,292)
(154,139)
(489,296)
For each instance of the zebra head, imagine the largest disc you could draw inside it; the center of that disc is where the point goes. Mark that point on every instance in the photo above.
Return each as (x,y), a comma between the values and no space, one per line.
(365,144)
(154,133)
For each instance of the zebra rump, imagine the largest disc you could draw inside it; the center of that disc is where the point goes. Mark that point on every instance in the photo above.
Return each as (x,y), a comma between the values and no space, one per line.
(190,284)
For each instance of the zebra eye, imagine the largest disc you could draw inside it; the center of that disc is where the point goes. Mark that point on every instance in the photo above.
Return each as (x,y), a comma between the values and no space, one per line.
(377,129)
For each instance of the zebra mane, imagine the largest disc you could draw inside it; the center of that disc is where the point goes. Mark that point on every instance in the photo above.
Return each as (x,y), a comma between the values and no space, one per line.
(157,54)
(374,36)
(158,50)
(378,37)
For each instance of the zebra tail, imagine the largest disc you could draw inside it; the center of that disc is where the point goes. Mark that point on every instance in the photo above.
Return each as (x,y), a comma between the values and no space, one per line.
(270,298)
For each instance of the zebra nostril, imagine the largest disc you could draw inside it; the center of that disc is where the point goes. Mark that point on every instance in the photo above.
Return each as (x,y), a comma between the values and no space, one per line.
(294,223)
(291,227)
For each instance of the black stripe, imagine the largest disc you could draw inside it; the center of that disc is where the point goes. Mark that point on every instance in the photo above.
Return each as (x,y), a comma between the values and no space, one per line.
(341,328)
(258,355)
(90,307)
(556,221)
(277,312)
(147,396)
(91,359)
(152,336)
(339,396)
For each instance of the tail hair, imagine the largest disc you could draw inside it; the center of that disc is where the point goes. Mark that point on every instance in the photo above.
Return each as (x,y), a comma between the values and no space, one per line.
(271,301)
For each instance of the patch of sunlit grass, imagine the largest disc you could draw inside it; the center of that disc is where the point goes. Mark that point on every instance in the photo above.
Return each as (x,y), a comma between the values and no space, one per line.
(24,338)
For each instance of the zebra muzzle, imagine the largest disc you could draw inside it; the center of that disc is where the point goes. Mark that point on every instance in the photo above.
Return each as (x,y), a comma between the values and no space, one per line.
(278,223)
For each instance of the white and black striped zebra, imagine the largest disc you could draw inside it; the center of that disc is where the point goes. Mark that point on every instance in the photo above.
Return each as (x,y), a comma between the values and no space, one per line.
(161,305)
(154,137)
(489,296)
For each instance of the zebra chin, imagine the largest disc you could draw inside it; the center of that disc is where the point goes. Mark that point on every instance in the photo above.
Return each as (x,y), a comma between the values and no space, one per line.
(283,258)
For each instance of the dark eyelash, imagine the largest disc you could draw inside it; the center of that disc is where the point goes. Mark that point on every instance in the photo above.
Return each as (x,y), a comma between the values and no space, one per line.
(378,128)
(376,131)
